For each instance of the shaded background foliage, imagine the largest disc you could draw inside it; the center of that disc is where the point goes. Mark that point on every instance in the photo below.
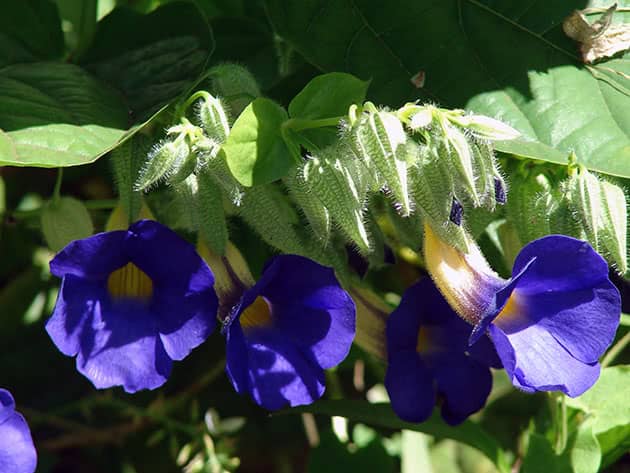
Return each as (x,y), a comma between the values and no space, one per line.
(72,87)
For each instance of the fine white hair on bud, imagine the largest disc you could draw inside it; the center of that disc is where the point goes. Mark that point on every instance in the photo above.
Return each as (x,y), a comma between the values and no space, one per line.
(165,159)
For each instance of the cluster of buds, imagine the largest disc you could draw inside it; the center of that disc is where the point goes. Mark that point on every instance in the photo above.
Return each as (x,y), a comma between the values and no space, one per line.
(581,205)
(430,162)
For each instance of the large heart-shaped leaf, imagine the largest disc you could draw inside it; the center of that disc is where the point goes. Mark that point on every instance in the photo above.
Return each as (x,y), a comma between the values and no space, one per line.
(508,59)
(30,30)
(56,114)
(151,58)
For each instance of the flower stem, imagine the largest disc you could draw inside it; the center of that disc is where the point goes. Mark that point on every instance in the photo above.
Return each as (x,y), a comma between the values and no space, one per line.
(616,350)
(57,189)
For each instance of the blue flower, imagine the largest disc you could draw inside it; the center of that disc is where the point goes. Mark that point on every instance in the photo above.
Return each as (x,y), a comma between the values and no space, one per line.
(428,358)
(131,301)
(285,330)
(550,322)
(17,453)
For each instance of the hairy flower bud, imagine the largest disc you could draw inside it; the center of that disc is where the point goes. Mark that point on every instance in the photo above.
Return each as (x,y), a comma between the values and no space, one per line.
(164,161)
(331,180)
(600,208)
(315,212)
(213,118)
(434,192)
(380,142)
(532,201)
(485,127)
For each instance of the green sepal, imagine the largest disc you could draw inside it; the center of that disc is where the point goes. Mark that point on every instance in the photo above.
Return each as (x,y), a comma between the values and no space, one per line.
(64,220)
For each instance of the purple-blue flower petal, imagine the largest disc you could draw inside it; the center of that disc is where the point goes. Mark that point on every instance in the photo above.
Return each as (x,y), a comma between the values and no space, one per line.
(77,300)
(295,278)
(93,258)
(169,260)
(120,347)
(568,292)
(464,384)
(17,452)
(410,385)
(535,361)
(563,264)
(275,373)
(439,360)
(311,328)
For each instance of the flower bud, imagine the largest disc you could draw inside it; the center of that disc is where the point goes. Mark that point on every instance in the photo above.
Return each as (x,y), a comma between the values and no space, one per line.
(456,149)
(315,212)
(166,159)
(213,118)
(266,210)
(64,220)
(381,143)
(434,190)
(485,127)
(126,161)
(331,180)
(532,202)
(600,208)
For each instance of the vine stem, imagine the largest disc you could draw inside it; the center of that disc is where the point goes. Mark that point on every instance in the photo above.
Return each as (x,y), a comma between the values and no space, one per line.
(616,350)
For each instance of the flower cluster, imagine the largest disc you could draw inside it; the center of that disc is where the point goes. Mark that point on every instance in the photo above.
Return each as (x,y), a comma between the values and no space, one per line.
(132,301)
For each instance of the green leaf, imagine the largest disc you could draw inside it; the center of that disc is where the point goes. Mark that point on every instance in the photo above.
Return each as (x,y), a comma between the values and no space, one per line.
(586,455)
(606,409)
(606,402)
(584,115)
(541,457)
(465,49)
(30,30)
(56,114)
(151,58)
(255,150)
(532,150)
(381,415)
(328,95)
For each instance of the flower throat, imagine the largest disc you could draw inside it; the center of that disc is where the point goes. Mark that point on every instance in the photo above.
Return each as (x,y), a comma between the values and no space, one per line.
(130,282)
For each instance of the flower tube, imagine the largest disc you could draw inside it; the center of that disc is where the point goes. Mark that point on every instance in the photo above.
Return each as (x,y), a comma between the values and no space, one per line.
(131,301)
(550,322)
